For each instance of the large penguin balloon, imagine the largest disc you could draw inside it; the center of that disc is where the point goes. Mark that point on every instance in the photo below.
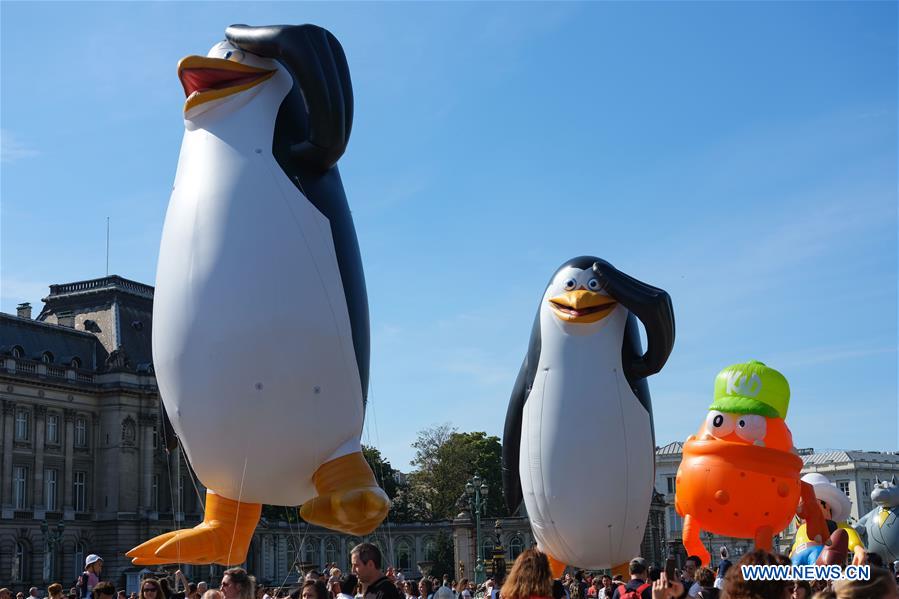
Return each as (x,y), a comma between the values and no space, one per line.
(260,319)
(579,443)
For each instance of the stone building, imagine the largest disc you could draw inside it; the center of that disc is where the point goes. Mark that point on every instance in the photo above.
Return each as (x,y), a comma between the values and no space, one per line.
(852,471)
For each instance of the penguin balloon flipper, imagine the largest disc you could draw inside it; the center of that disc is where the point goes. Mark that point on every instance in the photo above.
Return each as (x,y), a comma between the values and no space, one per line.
(652,306)
(318,63)
(512,442)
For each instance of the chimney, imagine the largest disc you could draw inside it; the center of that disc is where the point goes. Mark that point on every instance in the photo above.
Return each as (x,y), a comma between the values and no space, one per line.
(23,310)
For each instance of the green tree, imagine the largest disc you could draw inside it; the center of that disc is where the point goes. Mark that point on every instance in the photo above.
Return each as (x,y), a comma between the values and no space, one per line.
(445,460)
(444,563)
(393,483)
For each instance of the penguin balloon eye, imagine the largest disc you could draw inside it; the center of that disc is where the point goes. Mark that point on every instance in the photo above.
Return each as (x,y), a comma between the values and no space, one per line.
(570,284)
(235,55)
(593,285)
(719,424)
(751,427)
(228,54)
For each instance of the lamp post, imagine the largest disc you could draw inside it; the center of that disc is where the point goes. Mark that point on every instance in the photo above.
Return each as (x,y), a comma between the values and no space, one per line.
(477,490)
(51,540)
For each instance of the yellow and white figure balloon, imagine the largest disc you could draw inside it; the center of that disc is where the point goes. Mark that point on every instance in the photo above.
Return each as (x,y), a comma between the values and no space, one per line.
(260,319)
(578,446)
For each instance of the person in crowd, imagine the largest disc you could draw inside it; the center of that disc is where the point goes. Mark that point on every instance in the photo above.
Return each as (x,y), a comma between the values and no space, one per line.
(93,566)
(202,587)
(874,559)
(444,592)
(881,585)
(54,591)
(426,588)
(409,589)
(530,577)
(72,591)
(736,587)
(149,589)
(121,594)
(366,561)
(348,584)
(558,590)
(688,578)
(103,590)
(212,594)
(462,590)
(605,587)
(801,590)
(32,593)
(665,589)
(20,595)
(638,571)
(723,566)
(706,580)
(653,573)
(314,589)
(5,593)
(237,584)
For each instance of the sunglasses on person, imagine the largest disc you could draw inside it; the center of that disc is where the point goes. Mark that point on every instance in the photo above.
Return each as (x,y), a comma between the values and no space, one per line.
(150,589)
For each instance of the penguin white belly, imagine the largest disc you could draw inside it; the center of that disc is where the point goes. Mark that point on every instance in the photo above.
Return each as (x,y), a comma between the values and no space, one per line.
(251,336)
(587,508)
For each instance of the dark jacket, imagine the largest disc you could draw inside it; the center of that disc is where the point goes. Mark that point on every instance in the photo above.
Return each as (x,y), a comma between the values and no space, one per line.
(382,588)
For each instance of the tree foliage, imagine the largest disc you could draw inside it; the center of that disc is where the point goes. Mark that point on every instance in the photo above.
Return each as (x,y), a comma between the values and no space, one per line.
(445,460)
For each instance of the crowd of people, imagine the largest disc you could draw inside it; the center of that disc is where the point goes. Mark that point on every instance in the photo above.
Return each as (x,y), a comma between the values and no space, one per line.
(530,577)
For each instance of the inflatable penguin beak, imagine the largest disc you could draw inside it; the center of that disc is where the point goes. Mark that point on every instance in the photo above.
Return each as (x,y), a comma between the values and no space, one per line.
(582,306)
(205,79)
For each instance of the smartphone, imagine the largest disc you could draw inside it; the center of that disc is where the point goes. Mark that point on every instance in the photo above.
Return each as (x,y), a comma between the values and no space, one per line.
(670,569)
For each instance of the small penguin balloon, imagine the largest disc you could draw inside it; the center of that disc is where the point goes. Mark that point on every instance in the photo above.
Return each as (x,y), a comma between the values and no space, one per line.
(260,318)
(578,445)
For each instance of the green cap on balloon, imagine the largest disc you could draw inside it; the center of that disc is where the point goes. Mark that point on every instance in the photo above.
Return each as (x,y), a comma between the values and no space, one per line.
(751,388)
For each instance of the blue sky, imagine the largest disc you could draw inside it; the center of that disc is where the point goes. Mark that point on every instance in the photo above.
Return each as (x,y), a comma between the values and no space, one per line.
(741,156)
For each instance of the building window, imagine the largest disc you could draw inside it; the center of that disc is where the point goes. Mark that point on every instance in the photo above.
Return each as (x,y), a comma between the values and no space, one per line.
(80,432)
(17,352)
(308,553)
(155,438)
(154,494)
(516,546)
(675,522)
(79,556)
(80,492)
(50,486)
(430,550)
(52,428)
(331,552)
(47,357)
(844,486)
(671,488)
(20,562)
(404,556)
(23,424)
(19,486)
(867,485)
(76,363)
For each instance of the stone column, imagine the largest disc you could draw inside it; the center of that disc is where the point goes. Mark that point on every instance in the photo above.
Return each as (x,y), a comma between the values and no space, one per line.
(147,422)
(68,505)
(40,420)
(9,416)
(177,509)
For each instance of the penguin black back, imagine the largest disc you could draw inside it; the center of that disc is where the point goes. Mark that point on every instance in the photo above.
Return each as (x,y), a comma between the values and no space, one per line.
(311,134)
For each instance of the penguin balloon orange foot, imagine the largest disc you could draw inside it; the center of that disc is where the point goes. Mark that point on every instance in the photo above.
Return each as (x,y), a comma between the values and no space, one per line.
(739,475)
(223,537)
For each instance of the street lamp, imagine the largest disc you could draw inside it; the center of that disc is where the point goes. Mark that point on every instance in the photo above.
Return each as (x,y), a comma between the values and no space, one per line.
(51,540)
(477,490)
